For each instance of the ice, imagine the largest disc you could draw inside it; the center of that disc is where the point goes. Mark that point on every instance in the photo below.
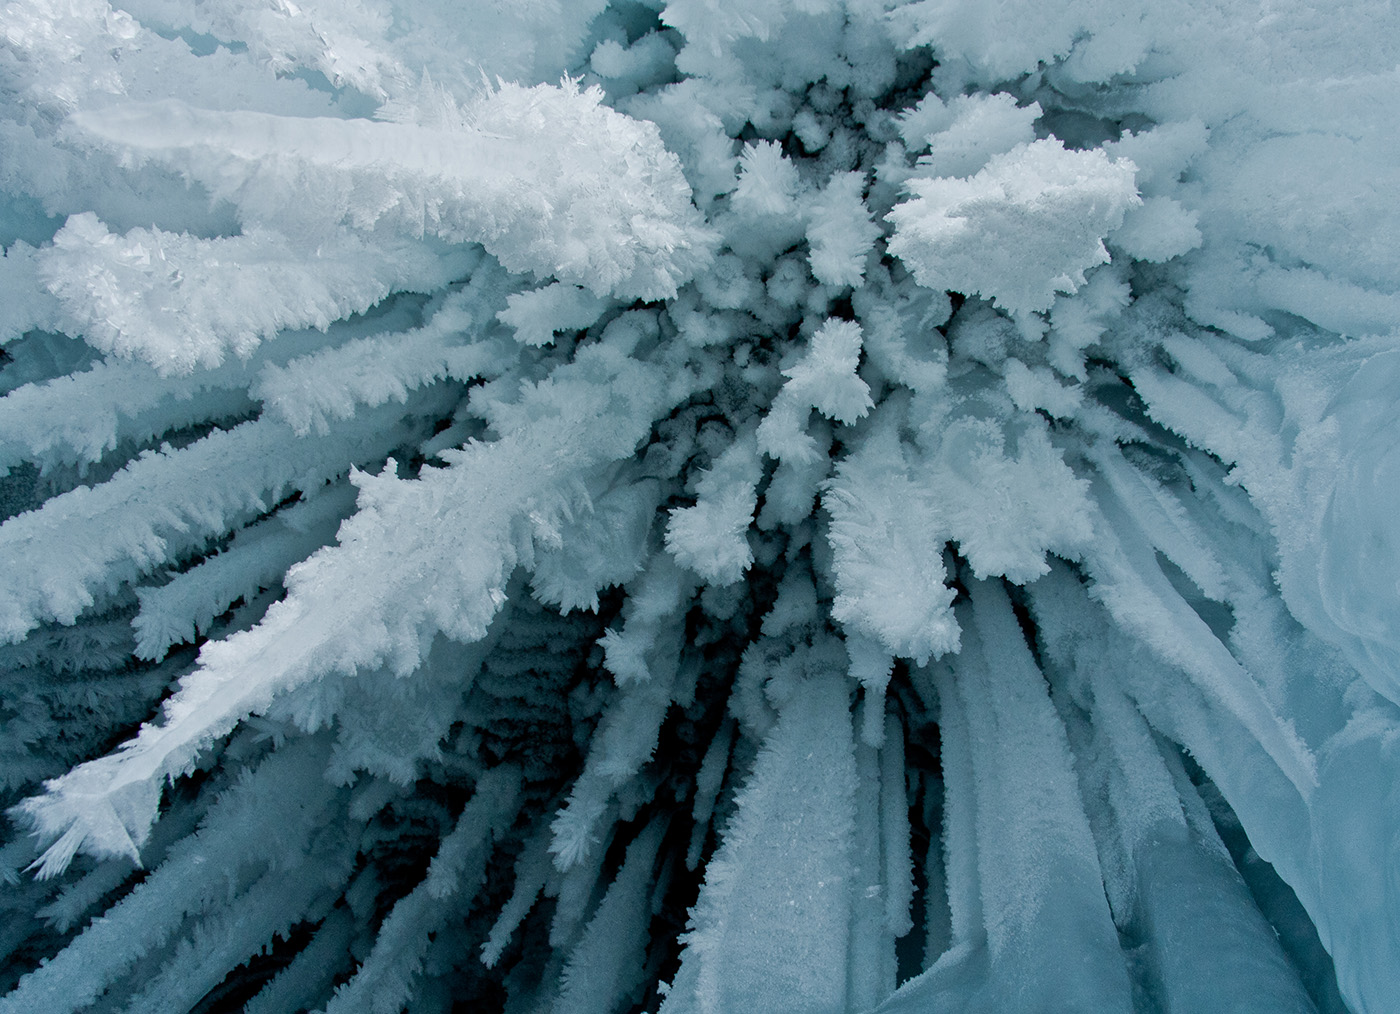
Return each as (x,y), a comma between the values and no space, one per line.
(812,506)
(1028,224)
(770,929)
(1043,915)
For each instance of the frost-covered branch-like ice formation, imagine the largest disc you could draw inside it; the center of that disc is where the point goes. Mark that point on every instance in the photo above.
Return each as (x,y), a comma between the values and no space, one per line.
(688,506)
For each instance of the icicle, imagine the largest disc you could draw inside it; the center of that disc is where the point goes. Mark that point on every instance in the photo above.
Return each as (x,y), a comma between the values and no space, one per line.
(1043,907)
(258,557)
(938,923)
(1131,585)
(474,505)
(770,927)
(244,927)
(625,740)
(310,973)
(897,864)
(871,668)
(824,379)
(1162,519)
(531,869)
(870,977)
(575,887)
(165,502)
(605,967)
(269,815)
(182,303)
(960,801)
(708,781)
(1208,946)
(622,222)
(384,981)
(311,392)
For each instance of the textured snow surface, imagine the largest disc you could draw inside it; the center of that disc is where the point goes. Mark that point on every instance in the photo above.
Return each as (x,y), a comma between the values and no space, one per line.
(695,506)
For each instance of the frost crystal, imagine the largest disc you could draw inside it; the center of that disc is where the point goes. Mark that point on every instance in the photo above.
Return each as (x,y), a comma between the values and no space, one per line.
(697,506)
(1027,225)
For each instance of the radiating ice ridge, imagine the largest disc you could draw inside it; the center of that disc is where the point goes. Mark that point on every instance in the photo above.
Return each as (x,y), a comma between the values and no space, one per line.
(789,506)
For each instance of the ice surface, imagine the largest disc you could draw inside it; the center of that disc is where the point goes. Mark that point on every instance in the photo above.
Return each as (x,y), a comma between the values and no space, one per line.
(800,506)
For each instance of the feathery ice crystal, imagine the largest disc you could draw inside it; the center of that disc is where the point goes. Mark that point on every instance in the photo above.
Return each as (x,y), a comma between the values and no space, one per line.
(695,506)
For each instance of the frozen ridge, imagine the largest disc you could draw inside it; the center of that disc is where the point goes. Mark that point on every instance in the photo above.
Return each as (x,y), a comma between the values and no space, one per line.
(696,506)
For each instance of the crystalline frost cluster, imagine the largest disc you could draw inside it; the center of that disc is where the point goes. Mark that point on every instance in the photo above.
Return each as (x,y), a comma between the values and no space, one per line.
(699,506)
